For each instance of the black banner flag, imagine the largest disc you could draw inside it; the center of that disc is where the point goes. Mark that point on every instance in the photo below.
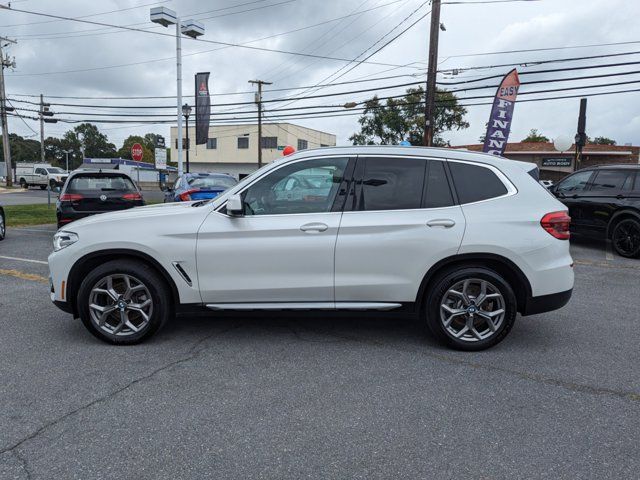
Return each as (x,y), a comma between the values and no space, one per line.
(203,107)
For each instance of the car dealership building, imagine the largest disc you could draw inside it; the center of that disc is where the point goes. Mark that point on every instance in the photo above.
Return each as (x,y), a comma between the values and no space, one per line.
(555,165)
(233,149)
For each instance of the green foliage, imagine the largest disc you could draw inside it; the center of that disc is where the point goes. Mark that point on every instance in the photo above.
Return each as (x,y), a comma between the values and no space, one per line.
(403,119)
(22,149)
(535,137)
(148,147)
(602,141)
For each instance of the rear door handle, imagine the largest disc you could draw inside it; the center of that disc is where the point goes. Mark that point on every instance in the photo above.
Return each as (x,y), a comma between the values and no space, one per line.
(441,222)
(315,227)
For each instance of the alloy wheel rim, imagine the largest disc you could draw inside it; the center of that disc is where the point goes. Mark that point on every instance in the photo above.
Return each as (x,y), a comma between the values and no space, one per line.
(472,310)
(120,305)
(627,238)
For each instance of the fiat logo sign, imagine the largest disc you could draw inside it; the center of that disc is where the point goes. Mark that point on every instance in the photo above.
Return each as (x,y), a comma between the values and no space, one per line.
(136,152)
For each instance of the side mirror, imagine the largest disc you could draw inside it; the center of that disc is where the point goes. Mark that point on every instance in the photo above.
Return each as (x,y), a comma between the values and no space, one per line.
(234,206)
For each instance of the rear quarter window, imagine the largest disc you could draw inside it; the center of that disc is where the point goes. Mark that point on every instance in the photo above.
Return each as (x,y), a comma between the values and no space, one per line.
(475,183)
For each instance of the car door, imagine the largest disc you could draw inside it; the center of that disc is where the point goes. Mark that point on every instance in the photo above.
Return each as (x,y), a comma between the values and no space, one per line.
(400,219)
(604,195)
(41,176)
(281,251)
(571,191)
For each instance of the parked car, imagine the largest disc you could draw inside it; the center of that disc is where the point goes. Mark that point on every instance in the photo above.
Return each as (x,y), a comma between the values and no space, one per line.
(88,192)
(604,203)
(40,175)
(3,224)
(461,240)
(199,186)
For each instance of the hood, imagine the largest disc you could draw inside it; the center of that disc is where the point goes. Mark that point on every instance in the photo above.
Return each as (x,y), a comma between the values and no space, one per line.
(157,210)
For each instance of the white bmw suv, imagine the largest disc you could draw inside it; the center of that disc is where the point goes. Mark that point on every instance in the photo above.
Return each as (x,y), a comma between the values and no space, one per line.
(463,241)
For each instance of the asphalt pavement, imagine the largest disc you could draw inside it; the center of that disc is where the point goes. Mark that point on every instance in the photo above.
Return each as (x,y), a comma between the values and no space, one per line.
(357,397)
(34,196)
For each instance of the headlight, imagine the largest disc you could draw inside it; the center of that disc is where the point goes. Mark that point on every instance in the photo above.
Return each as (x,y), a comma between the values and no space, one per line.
(63,239)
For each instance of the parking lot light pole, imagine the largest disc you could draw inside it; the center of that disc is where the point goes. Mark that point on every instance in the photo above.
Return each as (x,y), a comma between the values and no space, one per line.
(66,153)
(186,111)
(165,17)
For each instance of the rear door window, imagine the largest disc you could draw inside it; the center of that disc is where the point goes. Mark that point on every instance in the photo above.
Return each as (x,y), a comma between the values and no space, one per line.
(611,180)
(100,183)
(392,183)
(437,192)
(475,183)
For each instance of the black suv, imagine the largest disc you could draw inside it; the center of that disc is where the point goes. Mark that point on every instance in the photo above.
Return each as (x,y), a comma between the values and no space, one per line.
(604,202)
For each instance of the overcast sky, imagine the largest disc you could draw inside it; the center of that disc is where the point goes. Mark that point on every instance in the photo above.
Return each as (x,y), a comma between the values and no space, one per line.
(46,49)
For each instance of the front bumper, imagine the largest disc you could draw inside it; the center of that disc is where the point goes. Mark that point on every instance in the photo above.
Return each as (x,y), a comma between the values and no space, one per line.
(546,303)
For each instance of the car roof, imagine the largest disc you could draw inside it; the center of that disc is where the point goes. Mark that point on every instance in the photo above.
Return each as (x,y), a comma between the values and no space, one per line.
(430,152)
(624,166)
(206,174)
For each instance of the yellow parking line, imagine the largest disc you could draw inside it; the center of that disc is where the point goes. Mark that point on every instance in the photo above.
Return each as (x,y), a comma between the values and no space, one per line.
(24,276)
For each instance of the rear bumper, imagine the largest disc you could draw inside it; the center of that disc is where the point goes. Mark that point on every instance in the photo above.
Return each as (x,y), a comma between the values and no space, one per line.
(546,303)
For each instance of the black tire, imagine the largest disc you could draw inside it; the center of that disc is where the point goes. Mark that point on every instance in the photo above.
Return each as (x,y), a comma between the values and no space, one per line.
(23,183)
(160,293)
(439,294)
(43,187)
(626,238)
(53,184)
(3,225)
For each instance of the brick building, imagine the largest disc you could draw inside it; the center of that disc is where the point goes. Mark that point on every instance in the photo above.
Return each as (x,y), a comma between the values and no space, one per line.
(555,165)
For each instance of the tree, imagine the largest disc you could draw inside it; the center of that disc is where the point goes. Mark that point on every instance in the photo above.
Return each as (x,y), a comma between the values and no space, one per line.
(22,149)
(148,155)
(95,144)
(602,141)
(403,119)
(535,137)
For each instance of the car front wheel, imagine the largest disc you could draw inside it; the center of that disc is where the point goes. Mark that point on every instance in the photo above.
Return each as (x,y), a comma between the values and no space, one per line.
(470,308)
(124,302)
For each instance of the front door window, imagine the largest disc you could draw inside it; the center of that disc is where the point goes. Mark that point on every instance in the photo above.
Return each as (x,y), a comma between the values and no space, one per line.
(308,186)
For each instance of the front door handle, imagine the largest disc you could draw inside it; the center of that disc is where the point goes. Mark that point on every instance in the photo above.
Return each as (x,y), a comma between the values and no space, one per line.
(441,222)
(315,227)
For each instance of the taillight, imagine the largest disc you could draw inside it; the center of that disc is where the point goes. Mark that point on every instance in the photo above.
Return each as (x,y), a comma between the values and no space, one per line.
(557,224)
(186,196)
(132,196)
(70,197)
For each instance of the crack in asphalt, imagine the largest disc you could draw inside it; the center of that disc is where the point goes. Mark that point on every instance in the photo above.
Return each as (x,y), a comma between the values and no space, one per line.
(192,353)
(534,377)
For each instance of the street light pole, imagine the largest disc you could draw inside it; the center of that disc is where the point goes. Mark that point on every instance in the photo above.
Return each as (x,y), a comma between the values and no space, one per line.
(186,111)
(66,153)
(179,89)
(165,17)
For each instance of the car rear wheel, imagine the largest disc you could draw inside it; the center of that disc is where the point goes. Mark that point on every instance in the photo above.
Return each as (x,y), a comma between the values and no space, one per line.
(626,238)
(23,183)
(3,226)
(471,308)
(124,302)
(43,187)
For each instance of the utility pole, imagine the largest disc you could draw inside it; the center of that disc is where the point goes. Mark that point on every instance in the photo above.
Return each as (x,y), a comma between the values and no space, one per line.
(3,110)
(44,112)
(260,83)
(41,129)
(429,107)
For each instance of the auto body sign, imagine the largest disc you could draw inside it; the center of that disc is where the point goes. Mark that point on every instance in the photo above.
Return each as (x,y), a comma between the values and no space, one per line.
(499,126)
(203,107)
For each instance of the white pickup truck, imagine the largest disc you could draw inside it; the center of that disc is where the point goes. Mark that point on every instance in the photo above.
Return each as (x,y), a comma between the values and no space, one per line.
(40,175)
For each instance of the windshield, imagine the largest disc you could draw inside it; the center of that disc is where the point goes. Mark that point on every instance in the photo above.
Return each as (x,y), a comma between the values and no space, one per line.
(55,170)
(211,182)
(105,183)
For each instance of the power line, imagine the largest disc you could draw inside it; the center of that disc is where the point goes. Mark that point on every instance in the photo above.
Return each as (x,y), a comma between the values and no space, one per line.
(202,40)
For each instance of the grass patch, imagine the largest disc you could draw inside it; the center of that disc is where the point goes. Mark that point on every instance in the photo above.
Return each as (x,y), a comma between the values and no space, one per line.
(20,215)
